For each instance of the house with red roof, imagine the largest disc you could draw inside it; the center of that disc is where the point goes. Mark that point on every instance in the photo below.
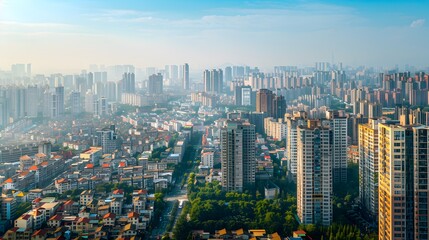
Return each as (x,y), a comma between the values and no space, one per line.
(109,219)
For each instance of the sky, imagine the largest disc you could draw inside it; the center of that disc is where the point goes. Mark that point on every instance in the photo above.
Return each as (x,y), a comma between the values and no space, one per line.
(66,36)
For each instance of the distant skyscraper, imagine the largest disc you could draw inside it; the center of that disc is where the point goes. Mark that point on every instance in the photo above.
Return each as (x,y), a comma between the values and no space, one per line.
(279,107)
(128,83)
(18,70)
(185,77)
(32,104)
(264,101)
(228,74)
(60,93)
(403,182)
(314,174)
(4,112)
(102,107)
(243,95)
(238,155)
(237,72)
(213,81)
(207,81)
(29,70)
(53,102)
(17,101)
(155,84)
(75,102)
(90,99)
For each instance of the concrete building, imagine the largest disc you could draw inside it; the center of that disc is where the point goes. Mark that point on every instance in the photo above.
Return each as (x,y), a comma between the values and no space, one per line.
(237,142)
(368,168)
(185,77)
(338,125)
(314,174)
(403,176)
(155,84)
(292,123)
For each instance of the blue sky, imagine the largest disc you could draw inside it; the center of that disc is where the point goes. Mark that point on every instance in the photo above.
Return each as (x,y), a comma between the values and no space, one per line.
(58,35)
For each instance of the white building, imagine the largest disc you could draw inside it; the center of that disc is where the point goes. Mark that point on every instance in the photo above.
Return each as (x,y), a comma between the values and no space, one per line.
(207,159)
(314,174)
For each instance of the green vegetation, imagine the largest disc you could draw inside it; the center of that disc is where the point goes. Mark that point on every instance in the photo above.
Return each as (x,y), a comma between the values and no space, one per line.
(213,209)
(72,194)
(344,194)
(172,216)
(159,207)
(156,153)
(337,232)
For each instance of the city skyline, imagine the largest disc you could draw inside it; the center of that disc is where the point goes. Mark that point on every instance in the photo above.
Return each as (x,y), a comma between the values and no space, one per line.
(256,33)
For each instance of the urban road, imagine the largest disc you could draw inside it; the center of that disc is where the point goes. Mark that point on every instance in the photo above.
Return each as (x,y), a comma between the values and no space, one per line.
(177,194)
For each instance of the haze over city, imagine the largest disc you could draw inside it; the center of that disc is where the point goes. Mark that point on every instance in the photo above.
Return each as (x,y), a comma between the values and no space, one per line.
(227,119)
(66,36)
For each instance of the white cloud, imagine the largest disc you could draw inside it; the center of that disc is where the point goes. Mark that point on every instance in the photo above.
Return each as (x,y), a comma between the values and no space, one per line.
(417,23)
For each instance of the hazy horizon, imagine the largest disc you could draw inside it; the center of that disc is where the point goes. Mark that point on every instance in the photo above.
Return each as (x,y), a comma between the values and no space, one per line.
(60,36)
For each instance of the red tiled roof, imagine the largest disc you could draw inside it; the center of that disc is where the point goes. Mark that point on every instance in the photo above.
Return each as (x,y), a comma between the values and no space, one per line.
(133,215)
(56,217)
(33,168)
(105,165)
(83,220)
(40,232)
(44,164)
(9,180)
(141,191)
(118,191)
(109,215)
(62,180)
(90,166)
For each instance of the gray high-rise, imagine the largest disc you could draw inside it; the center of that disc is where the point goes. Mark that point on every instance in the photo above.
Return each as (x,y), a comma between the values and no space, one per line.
(238,155)
(185,77)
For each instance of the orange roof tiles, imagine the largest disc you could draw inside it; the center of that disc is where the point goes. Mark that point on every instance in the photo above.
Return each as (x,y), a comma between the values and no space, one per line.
(90,166)
(118,191)
(62,180)
(133,215)
(222,232)
(105,165)
(40,232)
(25,158)
(33,168)
(23,174)
(69,202)
(40,155)
(9,180)
(141,191)
(56,217)
(83,220)
(109,215)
